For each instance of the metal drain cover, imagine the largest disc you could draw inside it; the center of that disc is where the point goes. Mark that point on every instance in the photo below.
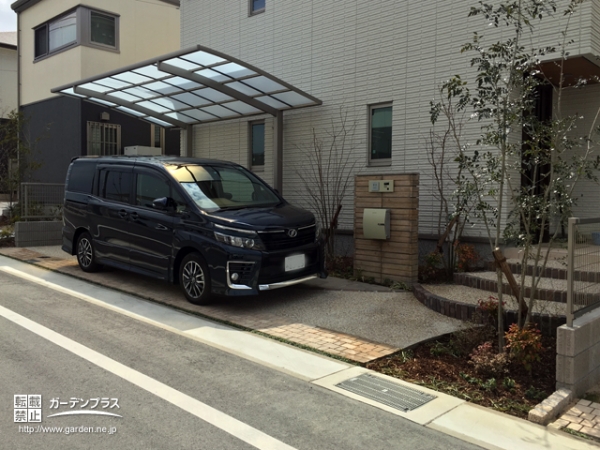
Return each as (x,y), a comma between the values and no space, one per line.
(386,392)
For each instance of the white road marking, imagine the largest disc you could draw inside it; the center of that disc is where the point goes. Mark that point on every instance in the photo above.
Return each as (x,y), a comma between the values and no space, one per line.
(292,361)
(201,410)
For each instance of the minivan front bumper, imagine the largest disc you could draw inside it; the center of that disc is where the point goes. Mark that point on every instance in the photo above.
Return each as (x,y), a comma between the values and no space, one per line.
(263,271)
(269,287)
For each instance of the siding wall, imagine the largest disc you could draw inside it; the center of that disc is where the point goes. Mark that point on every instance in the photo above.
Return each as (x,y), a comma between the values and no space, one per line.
(352,54)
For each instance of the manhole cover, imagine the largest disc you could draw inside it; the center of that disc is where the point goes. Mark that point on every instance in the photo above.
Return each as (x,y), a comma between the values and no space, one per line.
(386,392)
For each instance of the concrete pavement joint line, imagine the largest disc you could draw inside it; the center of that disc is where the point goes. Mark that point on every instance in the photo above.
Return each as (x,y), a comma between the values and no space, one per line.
(292,361)
(230,425)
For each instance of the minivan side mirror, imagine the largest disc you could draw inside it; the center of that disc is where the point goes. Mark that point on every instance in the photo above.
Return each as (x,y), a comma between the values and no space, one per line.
(164,204)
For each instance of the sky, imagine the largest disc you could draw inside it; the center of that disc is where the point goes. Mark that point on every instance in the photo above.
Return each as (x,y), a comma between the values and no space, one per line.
(8,18)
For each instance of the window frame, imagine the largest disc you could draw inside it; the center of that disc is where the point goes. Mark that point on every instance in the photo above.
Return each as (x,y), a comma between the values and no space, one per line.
(103,125)
(83,32)
(377,161)
(255,167)
(86,29)
(254,12)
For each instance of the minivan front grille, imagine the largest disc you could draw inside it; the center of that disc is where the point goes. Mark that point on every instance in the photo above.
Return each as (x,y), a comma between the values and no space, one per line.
(284,238)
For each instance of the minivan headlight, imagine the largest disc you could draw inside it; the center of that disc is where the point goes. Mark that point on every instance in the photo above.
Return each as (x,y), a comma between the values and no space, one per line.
(237,241)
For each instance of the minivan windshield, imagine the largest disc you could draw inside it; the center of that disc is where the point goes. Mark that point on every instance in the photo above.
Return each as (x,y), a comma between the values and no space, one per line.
(214,187)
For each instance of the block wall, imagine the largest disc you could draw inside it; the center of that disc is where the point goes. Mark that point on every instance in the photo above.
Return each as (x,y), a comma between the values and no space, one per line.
(578,354)
(33,234)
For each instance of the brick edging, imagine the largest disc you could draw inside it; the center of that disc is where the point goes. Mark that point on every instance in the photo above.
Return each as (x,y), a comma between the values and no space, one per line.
(547,323)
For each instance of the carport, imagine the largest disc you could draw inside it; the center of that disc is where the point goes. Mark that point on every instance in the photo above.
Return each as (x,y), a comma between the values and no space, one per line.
(195,86)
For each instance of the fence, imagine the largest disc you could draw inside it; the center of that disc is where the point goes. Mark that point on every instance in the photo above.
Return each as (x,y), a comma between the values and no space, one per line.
(583,273)
(41,201)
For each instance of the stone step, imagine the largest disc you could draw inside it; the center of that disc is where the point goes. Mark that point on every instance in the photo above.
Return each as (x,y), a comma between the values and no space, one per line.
(549,289)
(461,302)
(555,270)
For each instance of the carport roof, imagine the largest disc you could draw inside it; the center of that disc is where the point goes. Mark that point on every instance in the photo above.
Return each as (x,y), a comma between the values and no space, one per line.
(191,86)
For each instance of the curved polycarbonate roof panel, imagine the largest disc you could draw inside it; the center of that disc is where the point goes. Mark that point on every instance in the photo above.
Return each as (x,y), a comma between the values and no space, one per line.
(188,87)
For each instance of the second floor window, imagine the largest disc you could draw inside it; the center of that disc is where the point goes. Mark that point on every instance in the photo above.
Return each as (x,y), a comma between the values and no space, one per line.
(102,29)
(257,6)
(81,26)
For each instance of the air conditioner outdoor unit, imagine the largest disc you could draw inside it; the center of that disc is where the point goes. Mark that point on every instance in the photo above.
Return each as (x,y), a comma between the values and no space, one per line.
(141,150)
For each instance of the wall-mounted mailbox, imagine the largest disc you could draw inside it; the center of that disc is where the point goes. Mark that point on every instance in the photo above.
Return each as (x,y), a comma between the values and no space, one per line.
(381,186)
(376,223)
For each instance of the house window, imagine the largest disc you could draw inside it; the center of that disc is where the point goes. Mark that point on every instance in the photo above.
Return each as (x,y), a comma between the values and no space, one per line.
(41,41)
(56,35)
(257,6)
(257,144)
(102,29)
(81,26)
(380,139)
(103,138)
(62,32)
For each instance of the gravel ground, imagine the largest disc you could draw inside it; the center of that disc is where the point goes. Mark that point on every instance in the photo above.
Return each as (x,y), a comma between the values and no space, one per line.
(394,318)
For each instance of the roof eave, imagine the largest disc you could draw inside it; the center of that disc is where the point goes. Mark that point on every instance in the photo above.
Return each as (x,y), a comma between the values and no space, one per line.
(21,5)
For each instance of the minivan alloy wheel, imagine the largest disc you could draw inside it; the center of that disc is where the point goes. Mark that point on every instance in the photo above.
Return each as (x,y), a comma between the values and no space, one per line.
(194,279)
(86,254)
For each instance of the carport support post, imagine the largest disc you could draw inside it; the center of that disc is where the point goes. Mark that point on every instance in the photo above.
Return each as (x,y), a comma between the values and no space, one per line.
(189,141)
(278,152)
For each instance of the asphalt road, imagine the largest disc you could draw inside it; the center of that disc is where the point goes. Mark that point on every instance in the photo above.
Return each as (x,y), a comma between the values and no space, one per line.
(172,392)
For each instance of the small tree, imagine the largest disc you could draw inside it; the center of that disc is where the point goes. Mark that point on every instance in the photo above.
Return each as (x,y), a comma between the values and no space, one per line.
(326,175)
(16,154)
(444,148)
(508,81)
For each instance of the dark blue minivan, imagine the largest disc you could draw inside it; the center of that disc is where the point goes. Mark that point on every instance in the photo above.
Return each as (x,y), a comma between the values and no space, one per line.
(211,226)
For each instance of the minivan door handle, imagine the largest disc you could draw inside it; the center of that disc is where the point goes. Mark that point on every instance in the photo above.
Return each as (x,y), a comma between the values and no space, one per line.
(123,213)
(134,216)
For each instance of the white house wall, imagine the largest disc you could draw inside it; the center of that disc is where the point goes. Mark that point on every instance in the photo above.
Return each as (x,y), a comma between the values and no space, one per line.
(8,80)
(351,54)
(147,29)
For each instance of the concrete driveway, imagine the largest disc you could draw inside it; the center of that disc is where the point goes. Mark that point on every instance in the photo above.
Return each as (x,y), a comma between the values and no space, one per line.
(357,321)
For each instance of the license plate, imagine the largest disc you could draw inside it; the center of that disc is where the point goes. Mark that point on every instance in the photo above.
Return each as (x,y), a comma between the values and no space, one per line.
(295,262)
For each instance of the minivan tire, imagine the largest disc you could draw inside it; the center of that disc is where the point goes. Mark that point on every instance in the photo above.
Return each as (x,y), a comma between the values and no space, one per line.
(194,279)
(86,253)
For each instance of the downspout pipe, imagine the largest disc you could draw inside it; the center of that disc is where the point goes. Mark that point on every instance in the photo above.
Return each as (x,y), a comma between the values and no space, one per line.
(278,152)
